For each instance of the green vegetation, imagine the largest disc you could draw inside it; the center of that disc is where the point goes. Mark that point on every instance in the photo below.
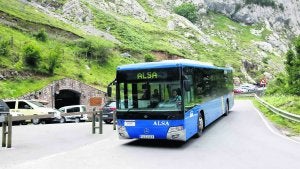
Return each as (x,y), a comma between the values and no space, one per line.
(136,36)
(94,49)
(284,102)
(32,56)
(93,60)
(187,10)
(30,14)
(42,35)
(149,58)
(292,127)
(4,48)
(283,92)
(288,83)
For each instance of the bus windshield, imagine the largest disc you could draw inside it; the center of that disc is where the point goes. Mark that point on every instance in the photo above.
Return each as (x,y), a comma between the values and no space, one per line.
(149,96)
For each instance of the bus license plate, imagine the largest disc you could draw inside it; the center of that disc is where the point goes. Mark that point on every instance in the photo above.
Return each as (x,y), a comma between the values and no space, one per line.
(147,136)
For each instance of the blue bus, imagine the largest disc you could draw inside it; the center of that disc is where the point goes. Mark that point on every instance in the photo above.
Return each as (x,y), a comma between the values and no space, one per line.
(172,99)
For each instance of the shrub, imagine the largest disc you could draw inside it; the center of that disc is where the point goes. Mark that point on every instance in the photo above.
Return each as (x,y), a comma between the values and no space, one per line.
(32,56)
(94,50)
(4,48)
(42,35)
(149,58)
(53,60)
(187,10)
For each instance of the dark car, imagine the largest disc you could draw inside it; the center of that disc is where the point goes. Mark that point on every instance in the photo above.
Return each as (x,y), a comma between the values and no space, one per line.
(4,110)
(108,111)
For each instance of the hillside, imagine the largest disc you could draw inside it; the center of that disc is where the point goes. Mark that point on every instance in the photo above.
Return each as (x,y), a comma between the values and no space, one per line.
(87,39)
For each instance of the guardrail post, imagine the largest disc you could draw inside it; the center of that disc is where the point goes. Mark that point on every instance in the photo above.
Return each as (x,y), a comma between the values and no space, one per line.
(9,136)
(100,126)
(4,124)
(100,123)
(114,120)
(7,130)
(93,122)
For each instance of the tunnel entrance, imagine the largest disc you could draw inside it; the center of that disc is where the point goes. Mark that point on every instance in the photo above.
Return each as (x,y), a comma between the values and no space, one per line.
(67,98)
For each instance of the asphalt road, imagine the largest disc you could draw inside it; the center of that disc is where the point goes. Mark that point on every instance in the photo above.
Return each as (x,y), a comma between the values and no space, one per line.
(242,140)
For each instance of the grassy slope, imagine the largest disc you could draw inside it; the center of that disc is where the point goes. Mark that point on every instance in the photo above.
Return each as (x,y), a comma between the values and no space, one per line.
(287,103)
(89,71)
(280,122)
(137,37)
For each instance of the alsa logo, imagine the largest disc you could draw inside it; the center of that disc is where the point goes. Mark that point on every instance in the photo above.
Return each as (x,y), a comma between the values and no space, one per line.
(161,123)
(147,75)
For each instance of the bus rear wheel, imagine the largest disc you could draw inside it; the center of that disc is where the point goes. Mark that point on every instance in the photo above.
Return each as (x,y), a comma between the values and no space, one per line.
(200,126)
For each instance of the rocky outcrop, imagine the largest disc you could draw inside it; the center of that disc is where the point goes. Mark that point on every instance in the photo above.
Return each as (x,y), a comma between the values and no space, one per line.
(122,7)
(72,16)
(75,11)
(284,15)
(13,74)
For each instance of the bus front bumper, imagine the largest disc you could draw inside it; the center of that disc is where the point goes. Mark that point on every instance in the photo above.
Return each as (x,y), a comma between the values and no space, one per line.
(174,133)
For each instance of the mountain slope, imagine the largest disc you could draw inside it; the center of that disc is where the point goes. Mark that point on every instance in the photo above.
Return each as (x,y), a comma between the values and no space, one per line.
(137,29)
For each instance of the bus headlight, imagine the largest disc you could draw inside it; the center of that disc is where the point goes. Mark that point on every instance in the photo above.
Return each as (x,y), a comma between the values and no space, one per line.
(176,133)
(122,132)
(175,129)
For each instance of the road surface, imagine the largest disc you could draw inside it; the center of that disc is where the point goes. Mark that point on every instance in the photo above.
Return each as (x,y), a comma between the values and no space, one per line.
(241,140)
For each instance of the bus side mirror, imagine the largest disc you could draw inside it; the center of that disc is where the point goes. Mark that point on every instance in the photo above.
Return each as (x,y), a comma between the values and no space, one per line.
(109,91)
(187,85)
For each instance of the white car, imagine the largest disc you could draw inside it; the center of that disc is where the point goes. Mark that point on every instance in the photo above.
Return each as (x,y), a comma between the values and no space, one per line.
(30,107)
(248,87)
(73,109)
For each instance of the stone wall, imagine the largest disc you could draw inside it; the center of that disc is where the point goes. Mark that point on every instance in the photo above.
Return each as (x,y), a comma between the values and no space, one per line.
(88,94)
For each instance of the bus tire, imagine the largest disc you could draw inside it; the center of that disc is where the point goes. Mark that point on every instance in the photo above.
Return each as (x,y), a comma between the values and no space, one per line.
(226,109)
(200,126)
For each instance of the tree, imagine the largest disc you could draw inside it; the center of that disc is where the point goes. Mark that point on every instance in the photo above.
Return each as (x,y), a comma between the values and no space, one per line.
(293,68)
(187,10)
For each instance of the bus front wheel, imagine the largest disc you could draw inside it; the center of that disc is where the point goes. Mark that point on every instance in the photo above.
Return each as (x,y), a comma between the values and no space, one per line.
(200,126)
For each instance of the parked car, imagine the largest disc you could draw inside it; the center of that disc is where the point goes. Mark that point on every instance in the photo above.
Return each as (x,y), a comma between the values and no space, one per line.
(73,109)
(239,90)
(108,111)
(248,87)
(4,110)
(29,107)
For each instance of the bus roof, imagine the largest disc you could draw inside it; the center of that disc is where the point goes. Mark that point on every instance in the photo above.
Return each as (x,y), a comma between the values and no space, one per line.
(168,64)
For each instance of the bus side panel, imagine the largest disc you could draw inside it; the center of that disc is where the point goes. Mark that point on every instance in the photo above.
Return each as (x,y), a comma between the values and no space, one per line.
(191,121)
(212,110)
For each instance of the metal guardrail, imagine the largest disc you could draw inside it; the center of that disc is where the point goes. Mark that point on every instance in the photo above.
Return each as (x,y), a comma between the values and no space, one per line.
(282,113)
(285,114)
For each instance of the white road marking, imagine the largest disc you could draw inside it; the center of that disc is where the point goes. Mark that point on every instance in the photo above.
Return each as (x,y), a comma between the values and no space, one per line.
(271,129)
